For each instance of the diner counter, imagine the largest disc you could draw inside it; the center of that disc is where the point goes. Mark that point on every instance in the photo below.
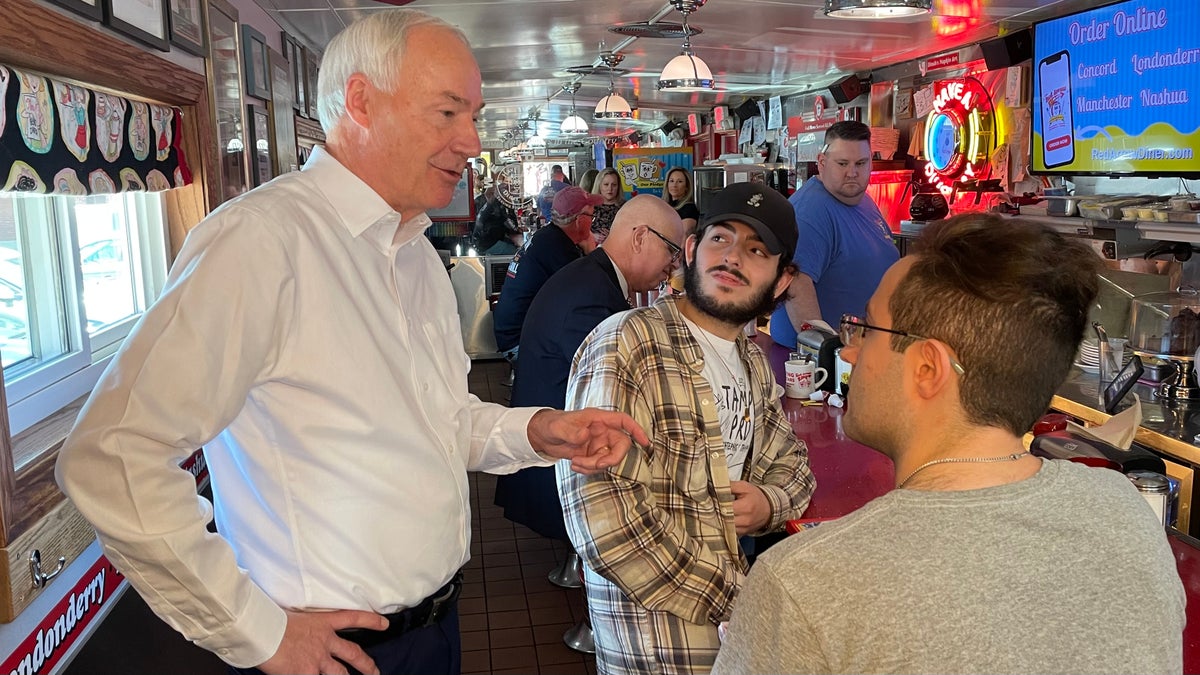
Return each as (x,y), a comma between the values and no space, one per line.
(850,474)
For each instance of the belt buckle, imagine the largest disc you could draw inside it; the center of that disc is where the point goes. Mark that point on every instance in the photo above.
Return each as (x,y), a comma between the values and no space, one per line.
(442,603)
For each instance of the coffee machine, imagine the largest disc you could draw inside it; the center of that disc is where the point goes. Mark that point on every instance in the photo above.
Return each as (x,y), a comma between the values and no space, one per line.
(822,346)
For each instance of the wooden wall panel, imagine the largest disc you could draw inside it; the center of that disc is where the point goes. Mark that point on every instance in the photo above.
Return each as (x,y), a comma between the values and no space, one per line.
(38,38)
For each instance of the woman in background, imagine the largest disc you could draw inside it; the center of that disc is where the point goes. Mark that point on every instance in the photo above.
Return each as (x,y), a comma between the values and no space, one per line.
(678,194)
(608,186)
(588,181)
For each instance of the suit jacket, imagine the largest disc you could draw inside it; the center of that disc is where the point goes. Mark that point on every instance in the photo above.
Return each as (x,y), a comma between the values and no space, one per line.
(570,304)
(546,252)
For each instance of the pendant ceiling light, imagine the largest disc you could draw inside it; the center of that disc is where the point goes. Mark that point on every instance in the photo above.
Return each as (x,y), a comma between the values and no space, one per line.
(574,125)
(687,72)
(535,141)
(876,9)
(614,106)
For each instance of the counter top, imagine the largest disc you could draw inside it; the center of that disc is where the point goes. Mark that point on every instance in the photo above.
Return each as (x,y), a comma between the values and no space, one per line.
(848,473)
(1167,426)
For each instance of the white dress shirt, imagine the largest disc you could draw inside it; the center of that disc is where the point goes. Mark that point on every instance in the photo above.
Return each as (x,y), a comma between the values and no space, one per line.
(308,338)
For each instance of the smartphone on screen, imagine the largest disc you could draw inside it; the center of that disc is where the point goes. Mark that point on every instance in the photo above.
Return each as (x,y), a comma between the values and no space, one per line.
(1058,124)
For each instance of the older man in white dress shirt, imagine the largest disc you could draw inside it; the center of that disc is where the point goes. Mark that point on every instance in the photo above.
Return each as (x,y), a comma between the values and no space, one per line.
(308,339)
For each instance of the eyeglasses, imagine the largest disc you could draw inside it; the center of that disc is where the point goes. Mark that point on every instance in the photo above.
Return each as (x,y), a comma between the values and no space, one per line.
(674,248)
(853,329)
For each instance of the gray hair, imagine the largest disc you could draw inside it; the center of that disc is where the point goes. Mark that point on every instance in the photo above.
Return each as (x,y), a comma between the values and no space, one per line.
(371,46)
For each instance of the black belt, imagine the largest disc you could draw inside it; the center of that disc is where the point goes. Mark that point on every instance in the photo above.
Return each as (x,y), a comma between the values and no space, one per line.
(431,610)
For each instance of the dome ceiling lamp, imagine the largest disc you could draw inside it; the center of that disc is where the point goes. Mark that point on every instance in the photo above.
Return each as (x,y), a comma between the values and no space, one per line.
(876,9)
(535,142)
(687,72)
(574,125)
(614,106)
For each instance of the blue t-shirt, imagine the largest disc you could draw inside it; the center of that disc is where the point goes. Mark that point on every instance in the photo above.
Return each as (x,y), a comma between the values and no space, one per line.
(844,249)
(546,198)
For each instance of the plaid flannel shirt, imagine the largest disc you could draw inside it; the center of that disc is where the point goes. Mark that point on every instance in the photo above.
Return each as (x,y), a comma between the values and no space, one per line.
(656,532)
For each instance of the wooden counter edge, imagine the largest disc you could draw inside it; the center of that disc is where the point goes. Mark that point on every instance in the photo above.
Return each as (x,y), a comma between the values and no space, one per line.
(1185,452)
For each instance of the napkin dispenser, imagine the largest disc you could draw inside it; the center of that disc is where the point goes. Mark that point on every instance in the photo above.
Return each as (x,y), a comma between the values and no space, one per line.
(821,346)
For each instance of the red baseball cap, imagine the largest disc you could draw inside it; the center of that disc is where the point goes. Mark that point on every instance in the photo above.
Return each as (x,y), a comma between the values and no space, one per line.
(569,202)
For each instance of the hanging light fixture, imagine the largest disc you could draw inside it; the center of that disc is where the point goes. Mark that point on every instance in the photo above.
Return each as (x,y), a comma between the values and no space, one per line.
(535,142)
(876,9)
(574,125)
(614,106)
(687,72)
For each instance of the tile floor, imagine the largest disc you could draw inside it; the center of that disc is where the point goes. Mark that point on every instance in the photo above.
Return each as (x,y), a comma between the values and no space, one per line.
(512,617)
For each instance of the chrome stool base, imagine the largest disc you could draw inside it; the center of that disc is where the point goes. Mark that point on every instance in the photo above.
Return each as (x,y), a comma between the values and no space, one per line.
(567,574)
(579,638)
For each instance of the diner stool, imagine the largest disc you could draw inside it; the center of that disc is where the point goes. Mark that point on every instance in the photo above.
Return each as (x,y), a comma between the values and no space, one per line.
(569,573)
(579,637)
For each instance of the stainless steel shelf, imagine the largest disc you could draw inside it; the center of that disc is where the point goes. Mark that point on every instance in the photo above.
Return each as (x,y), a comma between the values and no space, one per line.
(1146,229)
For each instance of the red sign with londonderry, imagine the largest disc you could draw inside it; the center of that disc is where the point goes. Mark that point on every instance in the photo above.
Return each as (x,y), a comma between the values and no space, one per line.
(62,625)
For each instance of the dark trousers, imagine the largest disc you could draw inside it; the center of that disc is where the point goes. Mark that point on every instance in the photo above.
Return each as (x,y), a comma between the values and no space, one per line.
(433,650)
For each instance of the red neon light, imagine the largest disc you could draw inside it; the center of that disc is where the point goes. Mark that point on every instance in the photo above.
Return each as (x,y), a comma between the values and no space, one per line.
(953,17)
(956,100)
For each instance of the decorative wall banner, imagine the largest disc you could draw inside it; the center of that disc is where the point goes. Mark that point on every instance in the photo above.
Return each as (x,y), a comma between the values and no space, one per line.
(41,651)
(644,170)
(959,133)
(61,138)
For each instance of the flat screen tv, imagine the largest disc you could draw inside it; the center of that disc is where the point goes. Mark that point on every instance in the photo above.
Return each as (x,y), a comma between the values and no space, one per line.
(1116,91)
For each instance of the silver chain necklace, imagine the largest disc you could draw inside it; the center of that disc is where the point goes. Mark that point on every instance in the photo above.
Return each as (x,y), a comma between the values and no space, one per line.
(968,460)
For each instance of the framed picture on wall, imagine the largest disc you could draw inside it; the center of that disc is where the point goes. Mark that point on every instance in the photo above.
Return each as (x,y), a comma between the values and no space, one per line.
(187,26)
(225,92)
(283,115)
(462,205)
(142,20)
(89,8)
(311,61)
(260,144)
(293,53)
(254,62)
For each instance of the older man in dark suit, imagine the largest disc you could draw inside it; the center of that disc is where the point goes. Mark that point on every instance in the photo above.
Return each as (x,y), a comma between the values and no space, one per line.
(639,254)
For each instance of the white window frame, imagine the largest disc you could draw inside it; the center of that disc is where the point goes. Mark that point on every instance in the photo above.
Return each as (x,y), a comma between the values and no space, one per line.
(38,392)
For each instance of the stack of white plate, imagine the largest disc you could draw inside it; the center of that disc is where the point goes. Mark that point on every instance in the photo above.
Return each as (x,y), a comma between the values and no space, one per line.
(1088,357)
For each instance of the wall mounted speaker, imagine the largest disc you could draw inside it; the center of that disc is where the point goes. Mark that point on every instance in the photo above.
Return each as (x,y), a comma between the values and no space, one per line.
(847,89)
(1008,50)
(746,110)
(669,126)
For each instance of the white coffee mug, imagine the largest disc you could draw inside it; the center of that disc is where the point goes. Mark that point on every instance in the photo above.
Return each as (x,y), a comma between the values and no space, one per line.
(803,377)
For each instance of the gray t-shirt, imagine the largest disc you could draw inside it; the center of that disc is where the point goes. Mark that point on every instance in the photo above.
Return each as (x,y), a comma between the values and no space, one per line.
(1066,572)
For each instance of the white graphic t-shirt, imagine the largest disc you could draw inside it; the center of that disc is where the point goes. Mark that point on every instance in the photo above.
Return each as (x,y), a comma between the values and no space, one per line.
(731,389)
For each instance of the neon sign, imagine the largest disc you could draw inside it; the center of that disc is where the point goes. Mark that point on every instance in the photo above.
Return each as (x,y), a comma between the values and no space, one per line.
(959,133)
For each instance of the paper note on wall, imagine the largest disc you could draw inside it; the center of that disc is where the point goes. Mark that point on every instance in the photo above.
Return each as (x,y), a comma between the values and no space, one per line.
(747,132)
(1020,148)
(923,101)
(775,116)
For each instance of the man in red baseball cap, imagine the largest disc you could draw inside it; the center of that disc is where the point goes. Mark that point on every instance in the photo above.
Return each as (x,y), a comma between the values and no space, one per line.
(546,252)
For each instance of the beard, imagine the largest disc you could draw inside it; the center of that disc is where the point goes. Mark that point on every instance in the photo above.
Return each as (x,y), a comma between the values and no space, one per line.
(760,302)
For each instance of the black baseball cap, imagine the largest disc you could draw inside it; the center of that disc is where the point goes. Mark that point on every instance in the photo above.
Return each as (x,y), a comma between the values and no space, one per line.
(760,207)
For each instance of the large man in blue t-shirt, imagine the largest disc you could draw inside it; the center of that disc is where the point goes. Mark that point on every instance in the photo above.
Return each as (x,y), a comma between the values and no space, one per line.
(845,244)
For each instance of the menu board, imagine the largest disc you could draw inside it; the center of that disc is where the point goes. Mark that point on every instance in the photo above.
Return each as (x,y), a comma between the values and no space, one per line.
(1115,90)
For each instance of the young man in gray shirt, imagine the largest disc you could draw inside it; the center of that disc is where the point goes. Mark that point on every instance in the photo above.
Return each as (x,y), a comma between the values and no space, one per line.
(984,558)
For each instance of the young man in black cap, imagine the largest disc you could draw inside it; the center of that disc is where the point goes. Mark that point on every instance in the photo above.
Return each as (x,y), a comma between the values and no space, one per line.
(658,533)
